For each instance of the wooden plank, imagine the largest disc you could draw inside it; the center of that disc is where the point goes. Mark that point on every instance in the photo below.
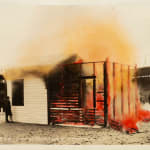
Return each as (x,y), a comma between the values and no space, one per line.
(129,89)
(122,91)
(114,91)
(106,82)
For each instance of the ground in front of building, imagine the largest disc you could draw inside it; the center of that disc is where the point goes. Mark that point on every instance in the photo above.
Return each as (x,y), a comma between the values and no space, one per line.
(18,133)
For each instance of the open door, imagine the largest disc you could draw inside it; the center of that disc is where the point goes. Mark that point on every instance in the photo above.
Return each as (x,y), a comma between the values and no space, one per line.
(88,94)
(88,98)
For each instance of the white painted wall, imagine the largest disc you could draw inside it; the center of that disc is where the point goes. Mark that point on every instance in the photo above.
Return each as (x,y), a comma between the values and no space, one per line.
(35,102)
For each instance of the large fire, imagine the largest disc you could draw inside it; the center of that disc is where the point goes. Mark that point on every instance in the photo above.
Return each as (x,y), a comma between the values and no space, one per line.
(130,113)
(94,41)
(123,104)
(130,122)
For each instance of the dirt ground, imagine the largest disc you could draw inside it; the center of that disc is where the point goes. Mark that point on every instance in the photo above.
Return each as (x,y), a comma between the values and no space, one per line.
(18,133)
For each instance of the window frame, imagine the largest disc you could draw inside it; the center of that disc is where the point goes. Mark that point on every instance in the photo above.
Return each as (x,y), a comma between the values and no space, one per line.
(18,102)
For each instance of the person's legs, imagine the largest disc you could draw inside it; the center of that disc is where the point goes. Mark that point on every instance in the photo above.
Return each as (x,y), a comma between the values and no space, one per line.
(6,117)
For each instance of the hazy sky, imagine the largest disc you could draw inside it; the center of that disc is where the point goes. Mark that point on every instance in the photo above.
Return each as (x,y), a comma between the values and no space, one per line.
(35,31)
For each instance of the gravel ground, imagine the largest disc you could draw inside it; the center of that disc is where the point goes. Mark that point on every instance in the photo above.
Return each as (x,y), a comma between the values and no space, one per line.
(18,133)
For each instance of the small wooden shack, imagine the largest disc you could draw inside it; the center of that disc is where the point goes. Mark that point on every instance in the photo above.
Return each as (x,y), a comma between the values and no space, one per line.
(75,92)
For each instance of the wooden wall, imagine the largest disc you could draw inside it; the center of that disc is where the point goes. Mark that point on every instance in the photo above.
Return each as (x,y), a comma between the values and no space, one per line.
(35,102)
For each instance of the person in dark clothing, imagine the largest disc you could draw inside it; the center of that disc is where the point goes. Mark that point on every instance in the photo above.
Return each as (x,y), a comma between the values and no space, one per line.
(8,110)
(149,99)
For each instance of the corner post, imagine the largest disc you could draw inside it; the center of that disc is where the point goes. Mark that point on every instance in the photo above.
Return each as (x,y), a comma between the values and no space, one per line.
(106,91)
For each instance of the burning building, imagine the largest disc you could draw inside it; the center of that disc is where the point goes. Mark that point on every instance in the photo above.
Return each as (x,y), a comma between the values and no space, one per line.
(76,92)
(64,94)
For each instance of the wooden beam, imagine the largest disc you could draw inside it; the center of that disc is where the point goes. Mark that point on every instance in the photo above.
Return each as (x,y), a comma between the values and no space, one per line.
(122,92)
(129,80)
(136,91)
(114,91)
(106,91)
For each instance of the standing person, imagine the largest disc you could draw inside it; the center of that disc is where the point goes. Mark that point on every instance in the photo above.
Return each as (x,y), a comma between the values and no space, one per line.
(149,99)
(8,110)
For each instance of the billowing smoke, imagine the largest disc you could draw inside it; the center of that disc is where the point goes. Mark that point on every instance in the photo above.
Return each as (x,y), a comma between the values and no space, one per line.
(41,71)
(90,40)
(94,40)
(52,34)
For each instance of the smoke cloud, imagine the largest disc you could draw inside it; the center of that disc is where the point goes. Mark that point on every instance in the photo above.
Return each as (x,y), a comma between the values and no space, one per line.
(56,33)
